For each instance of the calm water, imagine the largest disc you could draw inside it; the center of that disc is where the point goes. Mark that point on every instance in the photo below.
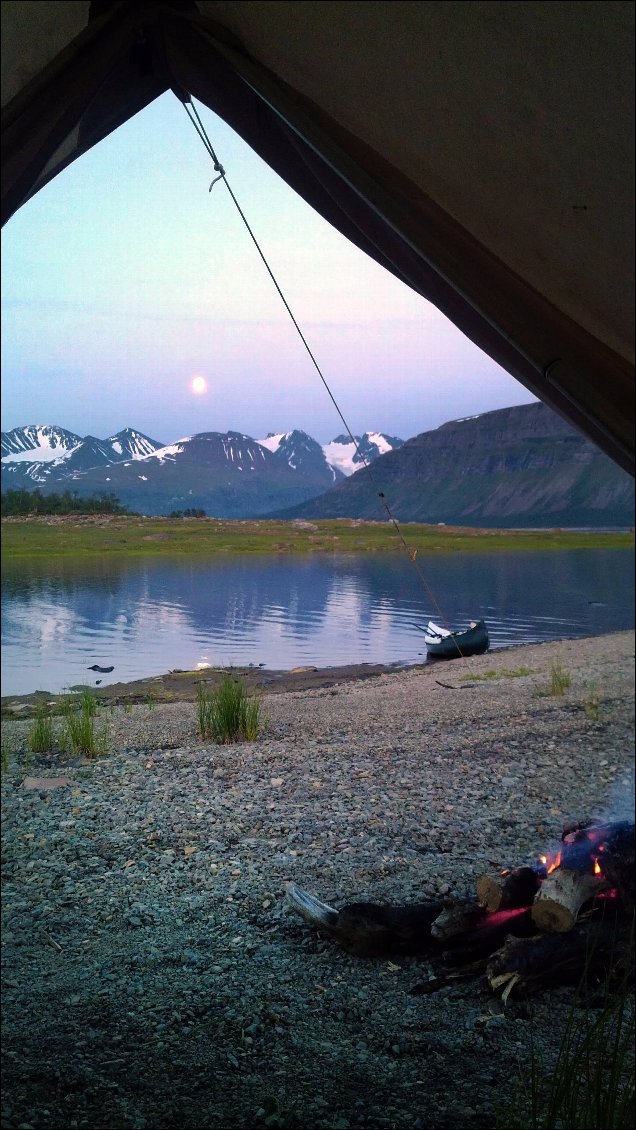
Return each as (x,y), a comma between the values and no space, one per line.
(147,617)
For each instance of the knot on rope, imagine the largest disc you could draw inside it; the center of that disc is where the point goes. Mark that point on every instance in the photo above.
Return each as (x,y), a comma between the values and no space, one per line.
(221,171)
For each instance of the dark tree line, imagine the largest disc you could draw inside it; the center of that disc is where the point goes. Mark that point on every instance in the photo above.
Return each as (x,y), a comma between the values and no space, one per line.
(191,513)
(16,502)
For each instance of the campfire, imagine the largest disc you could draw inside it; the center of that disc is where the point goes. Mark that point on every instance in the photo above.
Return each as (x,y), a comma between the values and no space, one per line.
(547,923)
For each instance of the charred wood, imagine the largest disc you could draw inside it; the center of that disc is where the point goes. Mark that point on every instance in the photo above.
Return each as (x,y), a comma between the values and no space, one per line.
(457,918)
(370,929)
(617,862)
(507,892)
(586,842)
(373,930)
(594,950)
(479,944)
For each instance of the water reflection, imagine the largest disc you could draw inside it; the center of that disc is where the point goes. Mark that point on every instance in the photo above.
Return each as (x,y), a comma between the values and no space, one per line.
(148,616)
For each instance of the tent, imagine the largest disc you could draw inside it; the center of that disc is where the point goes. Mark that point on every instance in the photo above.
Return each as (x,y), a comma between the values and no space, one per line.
(482,152)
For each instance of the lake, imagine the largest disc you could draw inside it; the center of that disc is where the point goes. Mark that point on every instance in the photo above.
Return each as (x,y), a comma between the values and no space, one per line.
(145,617)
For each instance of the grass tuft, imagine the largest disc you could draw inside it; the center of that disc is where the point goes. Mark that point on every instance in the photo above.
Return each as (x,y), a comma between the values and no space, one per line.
(592,702)
(41,736)
(227,714)
(80,734)
(560,680)
(590,1084)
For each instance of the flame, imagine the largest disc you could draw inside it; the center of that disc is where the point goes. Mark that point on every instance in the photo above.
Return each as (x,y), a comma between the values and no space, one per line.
(551,862)
(597,867)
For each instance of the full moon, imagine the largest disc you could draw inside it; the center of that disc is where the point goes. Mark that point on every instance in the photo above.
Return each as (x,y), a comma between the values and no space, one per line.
(199,385)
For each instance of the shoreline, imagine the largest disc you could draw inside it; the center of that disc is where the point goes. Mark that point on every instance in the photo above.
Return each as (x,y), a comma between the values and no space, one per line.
(36,540)
(181,686)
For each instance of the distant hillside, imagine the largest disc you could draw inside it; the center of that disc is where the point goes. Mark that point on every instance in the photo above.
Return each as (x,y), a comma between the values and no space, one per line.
(515,467)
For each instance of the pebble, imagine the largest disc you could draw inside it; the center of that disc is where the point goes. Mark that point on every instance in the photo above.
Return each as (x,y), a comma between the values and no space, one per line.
(154,977)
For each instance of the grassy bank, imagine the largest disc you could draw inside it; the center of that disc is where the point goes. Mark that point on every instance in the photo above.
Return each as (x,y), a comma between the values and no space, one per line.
(116,536)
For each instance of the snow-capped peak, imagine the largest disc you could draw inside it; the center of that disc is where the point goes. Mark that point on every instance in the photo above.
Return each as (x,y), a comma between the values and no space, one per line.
(342,455)
(38,443)
(130,444)
(346,456)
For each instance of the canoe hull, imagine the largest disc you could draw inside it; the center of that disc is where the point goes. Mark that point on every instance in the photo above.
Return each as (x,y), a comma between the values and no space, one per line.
(459,645)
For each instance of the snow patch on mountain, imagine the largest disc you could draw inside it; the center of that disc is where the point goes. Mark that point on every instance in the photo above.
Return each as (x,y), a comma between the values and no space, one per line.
(131,444)
(273,442)
(44,454)
(341,456)
(169,451)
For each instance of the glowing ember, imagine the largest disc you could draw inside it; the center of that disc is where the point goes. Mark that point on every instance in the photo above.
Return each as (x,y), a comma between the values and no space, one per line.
(551,862)
(498,917)
(597,867)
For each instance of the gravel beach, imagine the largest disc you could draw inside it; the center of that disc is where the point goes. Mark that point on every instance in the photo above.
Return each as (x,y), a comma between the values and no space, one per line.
(153,976)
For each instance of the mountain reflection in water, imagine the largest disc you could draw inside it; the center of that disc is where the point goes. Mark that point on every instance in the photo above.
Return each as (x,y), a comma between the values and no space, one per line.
(148,616)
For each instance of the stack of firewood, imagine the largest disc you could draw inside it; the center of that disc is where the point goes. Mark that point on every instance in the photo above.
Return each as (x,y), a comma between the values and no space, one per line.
(528,928)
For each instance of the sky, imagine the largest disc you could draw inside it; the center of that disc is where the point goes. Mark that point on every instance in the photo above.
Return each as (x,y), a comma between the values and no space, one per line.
(132,296)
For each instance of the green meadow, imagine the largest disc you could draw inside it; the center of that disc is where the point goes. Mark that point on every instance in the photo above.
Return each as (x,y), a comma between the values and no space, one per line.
(128,536)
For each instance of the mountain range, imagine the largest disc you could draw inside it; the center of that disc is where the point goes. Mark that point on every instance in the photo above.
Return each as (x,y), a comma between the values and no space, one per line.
(228,475)
(520,467)
(513,467)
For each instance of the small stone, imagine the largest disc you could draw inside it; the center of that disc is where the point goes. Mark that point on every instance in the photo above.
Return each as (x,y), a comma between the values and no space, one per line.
(45,783)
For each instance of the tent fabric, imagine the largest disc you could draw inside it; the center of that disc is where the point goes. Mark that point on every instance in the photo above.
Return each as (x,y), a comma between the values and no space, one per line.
(482,152)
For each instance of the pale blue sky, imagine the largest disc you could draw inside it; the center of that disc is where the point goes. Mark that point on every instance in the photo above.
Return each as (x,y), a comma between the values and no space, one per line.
(124,278)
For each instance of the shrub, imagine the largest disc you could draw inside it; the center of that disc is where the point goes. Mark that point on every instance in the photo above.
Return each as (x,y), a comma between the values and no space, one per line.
(227,714)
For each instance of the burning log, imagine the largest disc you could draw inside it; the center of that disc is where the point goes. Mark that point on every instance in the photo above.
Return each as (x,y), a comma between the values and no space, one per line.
(593,859)
(616,861)
(509,890)
(560,898)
